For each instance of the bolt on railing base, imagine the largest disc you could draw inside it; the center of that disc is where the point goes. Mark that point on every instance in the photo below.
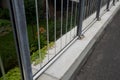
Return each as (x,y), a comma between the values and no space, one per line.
(107,9)
(81,37)
(98,19)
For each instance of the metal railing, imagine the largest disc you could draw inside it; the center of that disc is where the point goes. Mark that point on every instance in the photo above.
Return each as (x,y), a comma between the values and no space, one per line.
(56,24)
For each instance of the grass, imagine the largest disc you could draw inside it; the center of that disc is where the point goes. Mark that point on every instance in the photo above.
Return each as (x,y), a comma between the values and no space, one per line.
(4,22)
(37,57)
(13,74)
(8,52)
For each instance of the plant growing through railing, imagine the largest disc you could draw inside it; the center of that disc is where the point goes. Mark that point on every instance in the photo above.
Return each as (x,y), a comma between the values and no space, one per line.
(13,74)
(43,42)
(37,57)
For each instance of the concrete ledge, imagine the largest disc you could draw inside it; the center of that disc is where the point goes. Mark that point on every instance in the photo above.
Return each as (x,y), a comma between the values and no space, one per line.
(64,67)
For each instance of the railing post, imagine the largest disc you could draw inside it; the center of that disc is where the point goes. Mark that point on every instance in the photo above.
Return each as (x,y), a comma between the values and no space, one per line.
(113,2)
(17,14)
(98,10)
(81,7)
(108,4)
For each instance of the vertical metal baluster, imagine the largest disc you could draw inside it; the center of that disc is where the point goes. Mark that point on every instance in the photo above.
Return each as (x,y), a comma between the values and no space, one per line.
(61,23)
(98,10)
(80,18)
(71,22)
(67,20)
(2,68)
(108,5)
(85,10)
(75,19)
(113,2)
(95,5)
(90,7)
(93,8)
(38,32)
(47,13)
(55,24)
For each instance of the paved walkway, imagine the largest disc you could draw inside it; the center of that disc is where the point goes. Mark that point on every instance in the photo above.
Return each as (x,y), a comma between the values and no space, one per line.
(104,62)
